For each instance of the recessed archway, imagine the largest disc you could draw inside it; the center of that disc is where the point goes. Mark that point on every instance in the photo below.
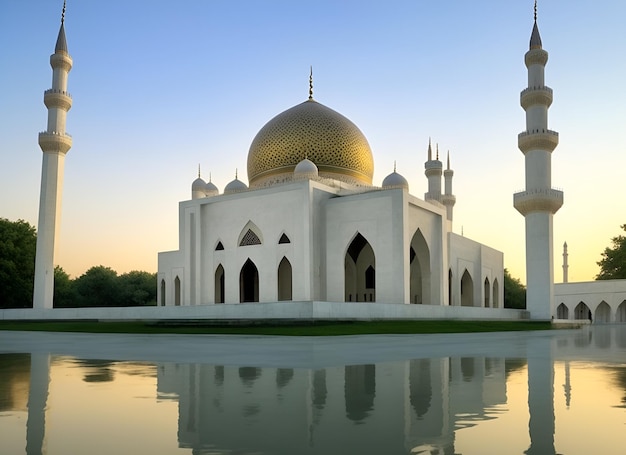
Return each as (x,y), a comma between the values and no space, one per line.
(620,315)
(359,271)
(249,283)
(582,311)
(419,257)
(496,291)
(162,292)
(219,284)
(603,313)
(487,288)
(562,312)
(467,289)
(177,296)
(284,280)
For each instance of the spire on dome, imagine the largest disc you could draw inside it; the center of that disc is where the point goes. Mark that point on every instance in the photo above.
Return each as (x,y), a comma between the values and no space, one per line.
(394,165)
(198,170)
(311,83)
(61,45)
(535,38)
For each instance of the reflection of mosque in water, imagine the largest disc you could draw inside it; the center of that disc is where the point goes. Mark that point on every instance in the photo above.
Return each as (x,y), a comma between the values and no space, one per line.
(416,404)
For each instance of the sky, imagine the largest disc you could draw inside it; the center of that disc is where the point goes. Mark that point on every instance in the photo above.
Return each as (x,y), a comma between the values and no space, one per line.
(159,87)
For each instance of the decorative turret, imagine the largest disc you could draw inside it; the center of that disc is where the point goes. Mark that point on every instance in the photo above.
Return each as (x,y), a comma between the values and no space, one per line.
(395,180)
(54,143)
(433,172)
(448,199)
(235,186)
(565,265)
(539,202)
(198,187)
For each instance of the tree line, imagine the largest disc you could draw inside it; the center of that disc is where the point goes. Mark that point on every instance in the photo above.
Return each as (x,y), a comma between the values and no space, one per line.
(99,286)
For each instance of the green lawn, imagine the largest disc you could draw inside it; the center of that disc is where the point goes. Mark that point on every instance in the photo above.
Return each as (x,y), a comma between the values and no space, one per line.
(310,329)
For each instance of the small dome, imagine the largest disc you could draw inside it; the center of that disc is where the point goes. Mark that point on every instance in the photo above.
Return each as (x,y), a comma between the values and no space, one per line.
(198,188)
(235,186)
(210,189)
(395,180)
(306,169)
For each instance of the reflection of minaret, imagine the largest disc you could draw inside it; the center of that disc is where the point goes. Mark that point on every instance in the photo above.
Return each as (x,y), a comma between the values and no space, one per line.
(359,390)
(55,143)
(567,387)
(37,399)
(540,397)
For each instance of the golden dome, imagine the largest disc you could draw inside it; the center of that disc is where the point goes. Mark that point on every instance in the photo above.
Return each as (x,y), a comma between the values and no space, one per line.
(314,131)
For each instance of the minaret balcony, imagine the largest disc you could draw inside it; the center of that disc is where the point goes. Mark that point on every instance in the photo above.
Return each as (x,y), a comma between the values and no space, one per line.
(448,199)
(57,98)
(55,142)
(538,200)
(540,139)
(536,95)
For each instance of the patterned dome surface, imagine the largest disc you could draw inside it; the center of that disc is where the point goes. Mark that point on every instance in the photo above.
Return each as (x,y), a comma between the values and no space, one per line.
(311,130)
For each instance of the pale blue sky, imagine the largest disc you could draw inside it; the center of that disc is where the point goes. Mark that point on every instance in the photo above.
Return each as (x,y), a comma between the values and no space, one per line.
(159,87)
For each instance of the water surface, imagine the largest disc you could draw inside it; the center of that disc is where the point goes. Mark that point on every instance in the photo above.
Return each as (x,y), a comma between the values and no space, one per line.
(542,393)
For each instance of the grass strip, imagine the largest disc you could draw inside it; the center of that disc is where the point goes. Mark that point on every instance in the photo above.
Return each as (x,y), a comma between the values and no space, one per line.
(321,328)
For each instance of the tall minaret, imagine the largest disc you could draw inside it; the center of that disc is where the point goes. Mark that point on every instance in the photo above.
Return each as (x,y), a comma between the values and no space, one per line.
(539,202)
(433,173)
(54,143)
(448,199)
(565,265)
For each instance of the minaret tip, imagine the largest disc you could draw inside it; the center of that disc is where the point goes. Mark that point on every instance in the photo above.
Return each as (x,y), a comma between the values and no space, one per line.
(63,13)
(535,38)
(535,10)
(311,83)
(430,150)
(61,44)
(448,160)
(437,152)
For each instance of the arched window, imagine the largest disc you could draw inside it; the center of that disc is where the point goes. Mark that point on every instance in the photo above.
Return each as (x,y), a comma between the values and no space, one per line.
(284,239)
(496,292)
(162,292)
(582,311)
(562,312)
(487,291)
(358,261)
(219,246)
(419,257)
(219,284)
(249,283)
(467,289)
(284,280)
(250,235)
(177,296)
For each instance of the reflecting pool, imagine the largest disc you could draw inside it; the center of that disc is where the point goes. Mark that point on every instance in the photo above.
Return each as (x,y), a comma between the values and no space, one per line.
(547,392)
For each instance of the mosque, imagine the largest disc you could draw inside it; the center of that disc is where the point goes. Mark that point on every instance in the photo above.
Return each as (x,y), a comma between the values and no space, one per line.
(312,228)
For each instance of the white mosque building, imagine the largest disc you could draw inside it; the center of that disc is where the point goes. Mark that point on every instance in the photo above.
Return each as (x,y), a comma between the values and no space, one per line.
(311,227)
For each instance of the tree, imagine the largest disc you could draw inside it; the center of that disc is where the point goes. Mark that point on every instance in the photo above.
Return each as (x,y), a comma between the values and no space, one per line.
(137,288)
(98,287)
(514,292)
(18,243)
(64,289)
(613,262)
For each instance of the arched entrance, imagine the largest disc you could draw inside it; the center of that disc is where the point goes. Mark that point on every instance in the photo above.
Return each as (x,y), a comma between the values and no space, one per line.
(177,291)
(487,291)
(620,315)
(284,280)
(360,271)
(603,313)
(582,311)
(249,283)
(419,257)
(496,291)
(467,289)
(219,284)
(562,312)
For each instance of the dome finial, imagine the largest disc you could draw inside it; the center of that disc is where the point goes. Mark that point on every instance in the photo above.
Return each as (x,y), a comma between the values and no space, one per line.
(394,165)
(63,13)
(236,177)
(198,170)
(535,10)
(311,83)
(209,177)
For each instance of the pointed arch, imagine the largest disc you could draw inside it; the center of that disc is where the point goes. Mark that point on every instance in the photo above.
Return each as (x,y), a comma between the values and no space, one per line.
(487,287)
(359,271)
(450,287)
(419,257)
(620,314)
(177,291)
(219,284)
(582,311)
(467,289)
(562,312)
(219,246)
(162,292)
(496,293)
(285,289)
(249,282)
(250,235)
(284,239)
(603,313)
